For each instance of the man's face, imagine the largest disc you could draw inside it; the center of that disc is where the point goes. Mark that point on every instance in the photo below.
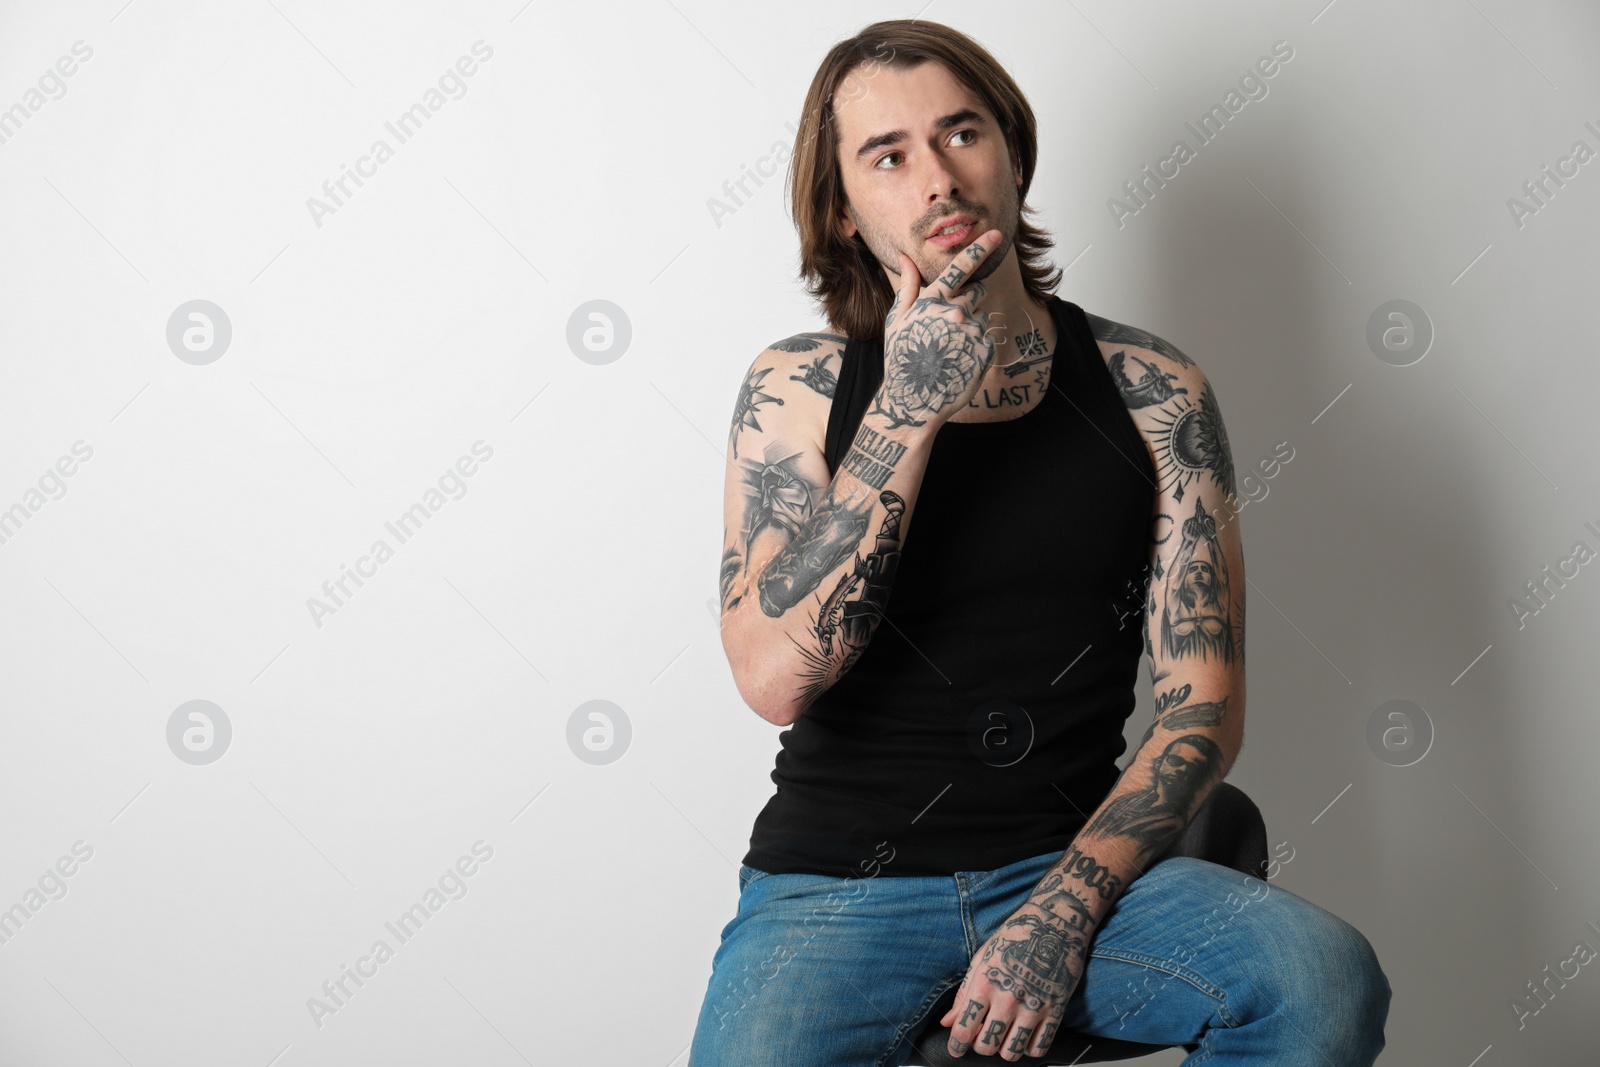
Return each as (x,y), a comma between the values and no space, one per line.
(1178,764)
(915,148)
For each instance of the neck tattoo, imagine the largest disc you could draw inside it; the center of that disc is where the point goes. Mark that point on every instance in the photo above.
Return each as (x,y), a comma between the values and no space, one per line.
(1031,350)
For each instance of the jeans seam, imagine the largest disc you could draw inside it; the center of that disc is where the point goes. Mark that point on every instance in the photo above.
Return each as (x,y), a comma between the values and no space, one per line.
(1216,992)
(967,926)
(917,1017)
(1203,1052)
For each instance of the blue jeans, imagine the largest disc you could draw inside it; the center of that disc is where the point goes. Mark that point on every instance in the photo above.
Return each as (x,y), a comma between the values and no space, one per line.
(817,971)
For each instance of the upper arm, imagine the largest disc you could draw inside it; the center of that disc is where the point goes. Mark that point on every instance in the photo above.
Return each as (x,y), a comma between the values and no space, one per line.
(776,472)
(1194,623)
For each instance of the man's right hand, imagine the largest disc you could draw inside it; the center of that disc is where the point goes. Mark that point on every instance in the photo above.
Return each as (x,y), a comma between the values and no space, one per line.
(936,340)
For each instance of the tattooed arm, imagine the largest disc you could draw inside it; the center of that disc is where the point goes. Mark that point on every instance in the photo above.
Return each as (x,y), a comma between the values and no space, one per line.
(1194,607)
(1016,991)
(809,558)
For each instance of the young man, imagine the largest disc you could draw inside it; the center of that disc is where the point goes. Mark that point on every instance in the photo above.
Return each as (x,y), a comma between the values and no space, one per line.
(957,684)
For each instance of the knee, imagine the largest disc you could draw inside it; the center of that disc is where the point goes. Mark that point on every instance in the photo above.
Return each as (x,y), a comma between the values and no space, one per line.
(1334,982)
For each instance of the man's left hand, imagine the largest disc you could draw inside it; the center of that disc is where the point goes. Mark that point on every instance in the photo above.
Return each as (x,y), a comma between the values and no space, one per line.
(1017,986)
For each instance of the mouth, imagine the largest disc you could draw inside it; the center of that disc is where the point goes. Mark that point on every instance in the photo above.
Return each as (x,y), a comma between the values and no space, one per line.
(953,231)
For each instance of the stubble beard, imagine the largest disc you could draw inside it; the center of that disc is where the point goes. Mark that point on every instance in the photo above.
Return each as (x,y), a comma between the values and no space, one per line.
(888,254)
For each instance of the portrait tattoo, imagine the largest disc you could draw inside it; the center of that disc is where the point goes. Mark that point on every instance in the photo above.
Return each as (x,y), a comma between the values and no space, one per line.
(1153,817)
(1197,596)
(1205,713)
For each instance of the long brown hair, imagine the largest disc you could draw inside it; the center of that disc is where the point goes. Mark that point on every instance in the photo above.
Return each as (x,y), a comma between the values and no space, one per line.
(841,272)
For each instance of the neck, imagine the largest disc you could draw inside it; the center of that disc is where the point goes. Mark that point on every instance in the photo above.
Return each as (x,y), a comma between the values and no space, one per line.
(1022,329)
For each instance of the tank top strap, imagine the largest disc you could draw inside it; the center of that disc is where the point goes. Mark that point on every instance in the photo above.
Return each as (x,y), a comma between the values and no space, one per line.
(1078,371)
(1113,408)
(860,373)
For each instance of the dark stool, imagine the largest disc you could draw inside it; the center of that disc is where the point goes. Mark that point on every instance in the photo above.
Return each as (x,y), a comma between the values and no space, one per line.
(1228,829)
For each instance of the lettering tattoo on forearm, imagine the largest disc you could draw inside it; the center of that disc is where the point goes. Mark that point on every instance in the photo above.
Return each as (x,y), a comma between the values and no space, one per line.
(872,457)
(1171,698)
(1083,869)
(1205,713)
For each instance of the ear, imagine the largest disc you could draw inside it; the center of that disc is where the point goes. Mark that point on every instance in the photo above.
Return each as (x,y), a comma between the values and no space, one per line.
(847,222)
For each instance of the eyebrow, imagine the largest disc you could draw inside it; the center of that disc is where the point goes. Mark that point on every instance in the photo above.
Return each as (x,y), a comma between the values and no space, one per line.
(883,140)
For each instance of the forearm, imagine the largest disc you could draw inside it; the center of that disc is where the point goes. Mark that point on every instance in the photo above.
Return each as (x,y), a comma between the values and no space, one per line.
(799,615)
(1189,748)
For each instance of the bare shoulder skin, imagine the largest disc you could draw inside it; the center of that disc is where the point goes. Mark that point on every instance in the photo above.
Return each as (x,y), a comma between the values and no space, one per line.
(801,369)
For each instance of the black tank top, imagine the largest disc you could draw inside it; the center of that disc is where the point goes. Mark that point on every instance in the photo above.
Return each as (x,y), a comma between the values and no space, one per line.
(983,721)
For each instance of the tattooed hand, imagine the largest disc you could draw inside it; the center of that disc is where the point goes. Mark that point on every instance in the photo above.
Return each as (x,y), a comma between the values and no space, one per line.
(936,344)
(1017,986)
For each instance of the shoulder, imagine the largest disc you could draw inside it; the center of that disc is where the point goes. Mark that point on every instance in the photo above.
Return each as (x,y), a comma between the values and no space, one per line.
(797,374)
(1171,401)
(1116,335)
(812,358)
(1149,370)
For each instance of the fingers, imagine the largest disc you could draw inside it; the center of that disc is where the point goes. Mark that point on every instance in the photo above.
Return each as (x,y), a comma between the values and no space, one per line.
(1042,1038)
(970,297)
(996,1029)
(964,264)
(965,306)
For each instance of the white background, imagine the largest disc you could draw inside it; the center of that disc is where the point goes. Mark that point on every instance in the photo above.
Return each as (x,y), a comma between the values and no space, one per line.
(430,311)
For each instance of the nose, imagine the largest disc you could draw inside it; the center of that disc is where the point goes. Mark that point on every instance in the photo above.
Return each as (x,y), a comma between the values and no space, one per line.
(938,181)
